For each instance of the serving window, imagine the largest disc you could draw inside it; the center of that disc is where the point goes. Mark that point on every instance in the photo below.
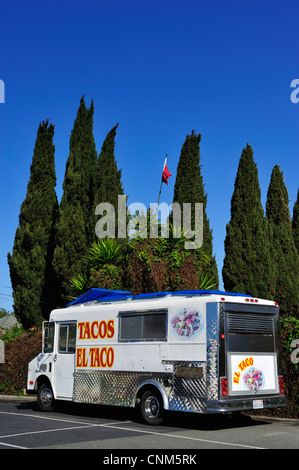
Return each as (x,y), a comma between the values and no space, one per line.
(150,325)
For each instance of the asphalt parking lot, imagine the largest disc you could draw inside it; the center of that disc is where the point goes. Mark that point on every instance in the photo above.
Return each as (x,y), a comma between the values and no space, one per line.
(23,426)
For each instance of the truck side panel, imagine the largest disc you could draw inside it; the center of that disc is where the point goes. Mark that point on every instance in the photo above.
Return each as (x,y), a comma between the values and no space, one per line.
(176,363)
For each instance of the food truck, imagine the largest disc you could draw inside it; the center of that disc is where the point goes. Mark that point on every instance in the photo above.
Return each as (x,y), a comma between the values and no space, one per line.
(191,351)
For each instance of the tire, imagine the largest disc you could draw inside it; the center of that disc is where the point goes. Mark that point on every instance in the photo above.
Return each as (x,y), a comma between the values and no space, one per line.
(151,407)
(45,398)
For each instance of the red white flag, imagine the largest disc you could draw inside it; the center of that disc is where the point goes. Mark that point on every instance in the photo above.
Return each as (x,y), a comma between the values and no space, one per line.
(166,174)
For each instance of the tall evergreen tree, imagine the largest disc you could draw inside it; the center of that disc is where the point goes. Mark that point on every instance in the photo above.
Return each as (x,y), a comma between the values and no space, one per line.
(247,266)
(31,261)
(76,224)
(189,188)
(108,176)
(295,222)
(283,250)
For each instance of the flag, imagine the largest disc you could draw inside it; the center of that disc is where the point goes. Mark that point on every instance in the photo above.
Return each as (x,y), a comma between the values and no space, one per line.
(166,174)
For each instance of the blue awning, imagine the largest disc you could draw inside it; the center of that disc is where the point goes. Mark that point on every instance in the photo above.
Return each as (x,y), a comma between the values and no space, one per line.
(100,294)
(109,295)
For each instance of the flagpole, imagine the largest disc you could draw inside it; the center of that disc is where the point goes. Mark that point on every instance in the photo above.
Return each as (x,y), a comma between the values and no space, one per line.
(161,183)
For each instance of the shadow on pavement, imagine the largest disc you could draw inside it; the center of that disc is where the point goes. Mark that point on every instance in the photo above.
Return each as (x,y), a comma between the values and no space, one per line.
(179,420)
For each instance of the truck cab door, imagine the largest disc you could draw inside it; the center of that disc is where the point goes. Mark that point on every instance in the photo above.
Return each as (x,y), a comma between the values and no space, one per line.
(64,360)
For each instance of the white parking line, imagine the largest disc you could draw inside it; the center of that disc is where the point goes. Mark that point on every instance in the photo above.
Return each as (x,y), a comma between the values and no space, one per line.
(121,428)
(43,417)
(59,419)
(44,430)
(185,437)
(10,445)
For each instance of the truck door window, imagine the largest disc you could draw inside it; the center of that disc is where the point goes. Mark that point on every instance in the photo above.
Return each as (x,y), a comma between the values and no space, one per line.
(67,339)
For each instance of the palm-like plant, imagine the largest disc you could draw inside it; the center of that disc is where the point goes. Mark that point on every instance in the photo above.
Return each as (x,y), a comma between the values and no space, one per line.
(78,284)
(149,224)
(108,251)
(104,255)
(207,283)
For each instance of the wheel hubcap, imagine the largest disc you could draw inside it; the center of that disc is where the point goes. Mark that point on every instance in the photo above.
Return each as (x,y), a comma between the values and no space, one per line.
(46,397)
(152,407)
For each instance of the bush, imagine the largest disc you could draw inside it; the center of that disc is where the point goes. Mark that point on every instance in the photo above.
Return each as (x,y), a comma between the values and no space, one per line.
(289,332)
(8,334)
(20,348)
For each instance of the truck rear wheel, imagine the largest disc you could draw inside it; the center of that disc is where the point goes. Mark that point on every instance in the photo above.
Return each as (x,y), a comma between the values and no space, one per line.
(45,398)
(151,407)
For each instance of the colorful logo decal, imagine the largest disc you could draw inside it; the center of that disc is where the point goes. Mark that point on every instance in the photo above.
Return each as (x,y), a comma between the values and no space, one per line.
(250,375)
(187,323)
(253,379)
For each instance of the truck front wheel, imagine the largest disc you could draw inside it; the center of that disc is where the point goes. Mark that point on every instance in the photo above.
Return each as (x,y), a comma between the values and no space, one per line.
(45,398)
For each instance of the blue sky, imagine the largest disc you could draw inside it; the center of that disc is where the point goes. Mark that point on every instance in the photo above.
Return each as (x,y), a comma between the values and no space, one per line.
(160,69)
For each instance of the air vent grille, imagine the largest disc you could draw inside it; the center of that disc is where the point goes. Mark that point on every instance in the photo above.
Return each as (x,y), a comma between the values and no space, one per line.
(250,323)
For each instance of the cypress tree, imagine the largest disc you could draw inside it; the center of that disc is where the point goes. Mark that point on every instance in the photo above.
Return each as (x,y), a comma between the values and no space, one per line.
(247,264)
(108,176)
(295,223)
(189,188)
(76,224)
(30,263)
(283,250)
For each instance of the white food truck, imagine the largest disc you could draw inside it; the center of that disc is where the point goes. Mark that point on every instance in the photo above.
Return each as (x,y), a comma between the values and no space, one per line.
(193,351)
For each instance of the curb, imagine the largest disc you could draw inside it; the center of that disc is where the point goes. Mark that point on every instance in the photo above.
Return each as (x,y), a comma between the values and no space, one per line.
(16,398)
(273,418)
